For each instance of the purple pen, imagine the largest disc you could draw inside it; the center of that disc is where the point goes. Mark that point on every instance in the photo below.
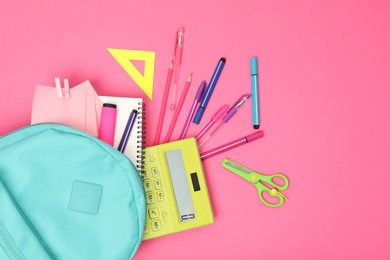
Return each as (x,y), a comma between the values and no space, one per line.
(213,120)
(127,131)
(197,100)
(232,111)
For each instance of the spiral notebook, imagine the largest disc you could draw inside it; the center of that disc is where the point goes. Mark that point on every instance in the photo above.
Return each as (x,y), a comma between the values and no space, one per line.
(124,106)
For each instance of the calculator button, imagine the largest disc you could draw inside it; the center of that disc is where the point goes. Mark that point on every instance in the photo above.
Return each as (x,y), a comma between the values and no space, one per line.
(146,175)
(153,213)
(148,186)
(165,216)
(160,196)
(150,198)
(157,184)
(154,172)
(147,228)
(156,225)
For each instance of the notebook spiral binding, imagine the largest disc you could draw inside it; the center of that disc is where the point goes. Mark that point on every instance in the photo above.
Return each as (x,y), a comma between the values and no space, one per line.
(141,136)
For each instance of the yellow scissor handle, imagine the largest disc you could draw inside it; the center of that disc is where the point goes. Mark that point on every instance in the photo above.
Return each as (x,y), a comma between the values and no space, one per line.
(270,179)
(273,192)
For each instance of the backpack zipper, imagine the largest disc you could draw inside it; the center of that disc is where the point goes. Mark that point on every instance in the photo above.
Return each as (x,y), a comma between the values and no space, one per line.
(9,245)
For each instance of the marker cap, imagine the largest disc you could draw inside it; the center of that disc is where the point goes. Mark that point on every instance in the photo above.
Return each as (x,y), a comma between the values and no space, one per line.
(109,105)
(256,135)
(254,66)
(200,91)
(107,123)
(198,116)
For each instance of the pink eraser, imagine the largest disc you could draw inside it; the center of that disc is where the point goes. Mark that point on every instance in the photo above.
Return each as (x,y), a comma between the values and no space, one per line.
(107,123)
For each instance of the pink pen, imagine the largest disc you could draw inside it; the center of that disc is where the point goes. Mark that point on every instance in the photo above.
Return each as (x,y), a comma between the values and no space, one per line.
(233,144)
(179,106)
(197,99)
(164,104)
(230,113)
(177,64)
(213,120)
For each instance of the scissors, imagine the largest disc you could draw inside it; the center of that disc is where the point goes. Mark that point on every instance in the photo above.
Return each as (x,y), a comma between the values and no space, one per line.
(260,181)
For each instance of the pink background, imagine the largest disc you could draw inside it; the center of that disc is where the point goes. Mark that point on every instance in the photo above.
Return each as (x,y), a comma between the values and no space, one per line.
(324,87)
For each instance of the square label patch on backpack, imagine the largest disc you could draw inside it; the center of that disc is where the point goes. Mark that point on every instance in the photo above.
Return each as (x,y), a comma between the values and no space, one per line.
(85,197)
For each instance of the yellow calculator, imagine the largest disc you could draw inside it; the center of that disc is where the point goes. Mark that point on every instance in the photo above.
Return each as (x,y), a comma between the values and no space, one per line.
(176,192)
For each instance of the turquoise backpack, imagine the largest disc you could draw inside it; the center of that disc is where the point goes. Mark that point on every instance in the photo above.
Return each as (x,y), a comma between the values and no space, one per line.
(67,195)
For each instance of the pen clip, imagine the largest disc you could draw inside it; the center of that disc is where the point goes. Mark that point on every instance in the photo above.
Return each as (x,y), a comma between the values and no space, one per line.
(242,100)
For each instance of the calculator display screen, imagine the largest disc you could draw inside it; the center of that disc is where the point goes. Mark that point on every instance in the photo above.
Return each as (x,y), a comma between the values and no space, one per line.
(180,185)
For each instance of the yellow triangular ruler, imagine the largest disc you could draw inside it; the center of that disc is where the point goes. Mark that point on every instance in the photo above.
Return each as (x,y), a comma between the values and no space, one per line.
(124,58)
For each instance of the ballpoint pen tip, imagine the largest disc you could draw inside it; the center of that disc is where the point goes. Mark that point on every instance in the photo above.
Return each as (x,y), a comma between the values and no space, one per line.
(190,77)
(171,65)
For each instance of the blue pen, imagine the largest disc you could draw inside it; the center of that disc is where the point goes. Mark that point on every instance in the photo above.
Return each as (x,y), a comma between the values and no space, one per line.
(207,95)
(127,131)
(255,93)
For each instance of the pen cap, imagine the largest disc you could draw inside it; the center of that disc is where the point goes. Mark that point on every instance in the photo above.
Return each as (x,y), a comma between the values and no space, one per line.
(200,91)
(220,112)
(179,45)
(107,123)
(254,66)
(180,36)
(198,116)
(233,110)
(256,135)
(229,115)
